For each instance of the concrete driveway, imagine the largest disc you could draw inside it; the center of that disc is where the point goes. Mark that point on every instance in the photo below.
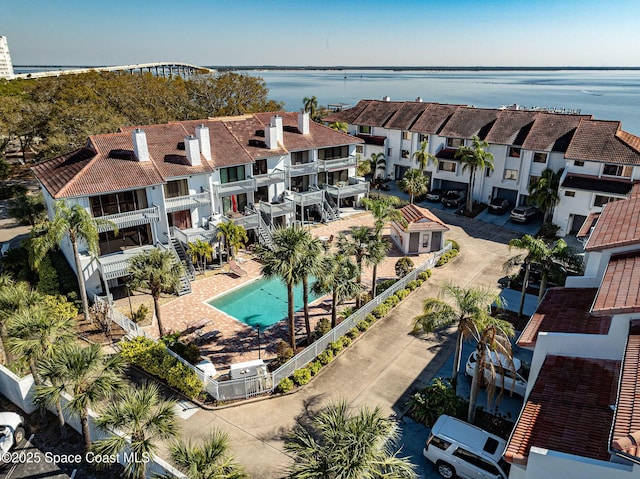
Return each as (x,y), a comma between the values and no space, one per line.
(381,369)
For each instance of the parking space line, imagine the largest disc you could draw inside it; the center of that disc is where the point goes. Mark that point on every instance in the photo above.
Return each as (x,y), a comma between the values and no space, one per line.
(15,465)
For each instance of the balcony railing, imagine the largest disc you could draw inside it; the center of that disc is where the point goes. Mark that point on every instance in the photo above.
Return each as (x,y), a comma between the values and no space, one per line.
(191,235)
(277,209)
(307,198)
(276,176)
(116,265)
(130,218)
(235,187)
(353,188)
(338,163)
(302,169)
(187,202)
(248,221)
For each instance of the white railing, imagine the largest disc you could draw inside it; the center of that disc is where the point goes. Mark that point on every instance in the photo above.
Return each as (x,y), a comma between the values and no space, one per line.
(277,209)
(193,234)
(130,218)
(130,328)
(308,198)
(235,187)
(344,190)
(186,202)
(248,221)
(276,176)
(338,163)
(302,169)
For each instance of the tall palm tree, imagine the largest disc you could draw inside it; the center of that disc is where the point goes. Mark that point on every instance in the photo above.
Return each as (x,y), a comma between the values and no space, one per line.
(14,296)
(85,373)
(211,459)
(200,252)
(77,223)
(282,260)
(544,191)
(364,166)
(339,443)
(470,307)
(536,249)
(310,265)
(557,256)
(378,249)
(311,106)
(157,271)
(473,159)
(339,126)
(234,235)
(413,183)
(378,162)
(384,209)
(423,157)
(141,414)
(358,245)
(339,276)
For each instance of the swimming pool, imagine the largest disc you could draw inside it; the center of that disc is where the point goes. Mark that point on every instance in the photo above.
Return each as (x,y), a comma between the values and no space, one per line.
(260,303)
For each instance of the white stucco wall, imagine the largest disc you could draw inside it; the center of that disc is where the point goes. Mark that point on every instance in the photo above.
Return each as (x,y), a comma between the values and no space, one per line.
(547,464)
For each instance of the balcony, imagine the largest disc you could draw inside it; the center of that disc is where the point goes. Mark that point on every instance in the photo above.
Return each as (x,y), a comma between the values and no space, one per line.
(338,163)
(116,265)
(277,209)
(306,198)
(302,169)
(130,218)
(191,235)
(276,176)
(355,187)
(248,221)
(187,202)
(235,187)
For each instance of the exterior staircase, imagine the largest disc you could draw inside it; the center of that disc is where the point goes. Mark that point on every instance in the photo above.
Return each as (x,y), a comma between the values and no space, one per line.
(189,271)
(264,229)
(329,212)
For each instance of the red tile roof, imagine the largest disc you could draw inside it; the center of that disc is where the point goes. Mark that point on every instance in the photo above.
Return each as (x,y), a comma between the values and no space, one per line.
(552,131)
(598,140)
(619,292)
(627,417)
(468,121)
(421,219)
(618,225)
(568,409)
(589,223)
(564,310)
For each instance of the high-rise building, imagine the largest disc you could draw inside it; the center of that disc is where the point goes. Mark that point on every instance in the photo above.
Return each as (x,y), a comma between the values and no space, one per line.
(6,67)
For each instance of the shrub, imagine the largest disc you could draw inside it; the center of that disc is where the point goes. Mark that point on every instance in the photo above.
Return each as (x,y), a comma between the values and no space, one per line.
(404,266)
(391,301)
(189,352)
(140,315)
(363,325)
(385,285)
(425,275)
(346,341)
(47,277)
(448,256)
(283,352)
(412,285)
(454,244)
(380,311)
(403,293)
(323,327)
(436,399)
(548,230)
(346,312)
(301,376)
(371,318)
(285,385)
(184,379)
(314,367)
(325,357)
(353,333)
(335,347)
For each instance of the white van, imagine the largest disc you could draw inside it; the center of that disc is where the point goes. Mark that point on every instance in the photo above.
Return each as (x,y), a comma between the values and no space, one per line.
(460,449)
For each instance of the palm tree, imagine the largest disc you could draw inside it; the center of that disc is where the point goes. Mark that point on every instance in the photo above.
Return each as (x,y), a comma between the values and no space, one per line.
(473,159)
(384,209)
(544,191)
(470,307)
(234,235)
(282,260)
(358,245)
(200,251)
(157,271)
(557,256)
(75,222)
(141,414)
(378,249)
(364,166)
(423,157)
(493,337)
(86,374)
(310,265)
(339,126)
(14,296)
(536,249)
(413,183)
(378,162)
(211,459)
(339,443)
(339,276)
(311,106)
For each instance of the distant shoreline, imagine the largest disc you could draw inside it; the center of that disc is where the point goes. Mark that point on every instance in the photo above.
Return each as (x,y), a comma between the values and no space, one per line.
(367,68)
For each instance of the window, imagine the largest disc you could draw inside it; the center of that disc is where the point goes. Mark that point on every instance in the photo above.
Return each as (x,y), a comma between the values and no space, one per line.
(333,153)
(360,149)
(439,443)
(487,172)
(338,176)
(510,174)
(406,135)
(578,163)
(234,203)
(617,170)
(389,151)
(447,166)
(405,153)
(601,200)
(477,461)
(539,157)
(422,137)
(299,157)
(455,142)
(514,152)
(175,188)
(114,203)
(532,180)
(260,167)
(231,174)
(127,238)
(365,130)
(570,194)
(425,240)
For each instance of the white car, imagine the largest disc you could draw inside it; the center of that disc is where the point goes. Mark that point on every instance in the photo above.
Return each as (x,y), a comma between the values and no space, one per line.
(510,377)
(11,430)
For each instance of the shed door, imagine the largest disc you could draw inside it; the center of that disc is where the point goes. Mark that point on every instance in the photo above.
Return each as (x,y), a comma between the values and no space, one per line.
(414,242)
(436,240)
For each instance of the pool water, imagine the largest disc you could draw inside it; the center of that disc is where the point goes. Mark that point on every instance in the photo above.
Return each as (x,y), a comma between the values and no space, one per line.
(260,303)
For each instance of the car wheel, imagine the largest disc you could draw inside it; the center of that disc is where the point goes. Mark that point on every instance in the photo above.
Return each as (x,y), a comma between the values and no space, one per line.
(446,470)
(18,436)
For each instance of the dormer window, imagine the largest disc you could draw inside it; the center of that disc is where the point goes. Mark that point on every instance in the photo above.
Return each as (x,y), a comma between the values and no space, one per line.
(455,142)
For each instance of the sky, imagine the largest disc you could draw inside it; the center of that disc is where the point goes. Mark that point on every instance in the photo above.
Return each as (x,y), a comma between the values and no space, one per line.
(601,33)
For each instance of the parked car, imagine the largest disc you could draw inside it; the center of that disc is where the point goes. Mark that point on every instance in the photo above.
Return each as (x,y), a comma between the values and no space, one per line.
(499,205)
(510,377)
(459,449)
(11,430)
(524,214)
(434,195)
(454,198)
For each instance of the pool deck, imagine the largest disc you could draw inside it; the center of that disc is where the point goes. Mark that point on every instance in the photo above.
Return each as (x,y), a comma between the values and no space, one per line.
(238,342)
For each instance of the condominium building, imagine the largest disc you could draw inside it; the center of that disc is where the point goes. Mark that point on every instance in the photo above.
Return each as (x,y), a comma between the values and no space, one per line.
(600,160)
(6,67)
(168,185)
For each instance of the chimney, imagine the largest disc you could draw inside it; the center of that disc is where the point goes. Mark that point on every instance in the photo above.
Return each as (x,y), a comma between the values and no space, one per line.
(419,99)
(192,148)
(277,122)
(202,134)
(271,137)
(303,123)
(140,147)
(386,98)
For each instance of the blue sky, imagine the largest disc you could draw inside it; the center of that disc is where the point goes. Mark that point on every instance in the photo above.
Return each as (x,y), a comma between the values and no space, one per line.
(331,32)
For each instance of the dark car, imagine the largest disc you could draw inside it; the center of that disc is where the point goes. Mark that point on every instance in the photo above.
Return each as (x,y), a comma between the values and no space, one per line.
(499,205)
(434,195)
(524,214)
(454,198)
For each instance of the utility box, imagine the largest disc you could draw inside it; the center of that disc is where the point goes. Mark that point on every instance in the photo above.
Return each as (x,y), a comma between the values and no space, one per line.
(207,368)
(248,369)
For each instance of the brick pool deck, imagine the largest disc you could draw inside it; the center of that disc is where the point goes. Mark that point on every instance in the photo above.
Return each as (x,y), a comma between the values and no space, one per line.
(238,342)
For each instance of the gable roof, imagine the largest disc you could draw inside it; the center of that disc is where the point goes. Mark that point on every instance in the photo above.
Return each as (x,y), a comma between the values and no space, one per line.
(468,121)
(406,115)
(552,131)
(377,113)
(619,291)
(421,219)
(511,127)
(433,118)
(598,140)
(348,115)
(618,225)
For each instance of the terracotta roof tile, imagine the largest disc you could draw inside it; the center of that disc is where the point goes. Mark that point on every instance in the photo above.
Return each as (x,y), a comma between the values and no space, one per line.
(631,140)
(598,140)
(511,127)
(433,118)
(406,115)
(619,292)
(552,131)
(564,310)
(377,113)
(568,409)
(348,115)
(468,121)
(590,222)
(421,219)
(618,225)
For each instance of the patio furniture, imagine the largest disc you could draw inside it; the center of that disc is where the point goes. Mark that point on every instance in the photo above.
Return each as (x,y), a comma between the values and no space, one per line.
(208,336)
(235,269)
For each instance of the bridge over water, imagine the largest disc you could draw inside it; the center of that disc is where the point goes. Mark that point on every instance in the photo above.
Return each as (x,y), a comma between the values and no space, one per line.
(158,68)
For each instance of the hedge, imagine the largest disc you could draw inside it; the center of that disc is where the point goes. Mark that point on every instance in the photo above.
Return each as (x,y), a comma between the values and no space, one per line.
(285,385)
(448,256)
(301,376)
